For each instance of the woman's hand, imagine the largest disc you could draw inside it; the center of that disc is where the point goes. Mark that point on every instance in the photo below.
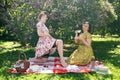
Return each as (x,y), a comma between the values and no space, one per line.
(76,39)
(87,42)
(76,32)
(81,37)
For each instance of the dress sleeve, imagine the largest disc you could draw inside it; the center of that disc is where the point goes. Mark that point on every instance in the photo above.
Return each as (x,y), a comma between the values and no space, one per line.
(89,35)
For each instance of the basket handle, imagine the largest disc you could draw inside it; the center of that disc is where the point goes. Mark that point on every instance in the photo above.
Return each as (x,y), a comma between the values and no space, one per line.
(21,54)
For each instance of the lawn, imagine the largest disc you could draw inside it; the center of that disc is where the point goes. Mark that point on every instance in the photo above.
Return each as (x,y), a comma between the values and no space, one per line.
(106,50)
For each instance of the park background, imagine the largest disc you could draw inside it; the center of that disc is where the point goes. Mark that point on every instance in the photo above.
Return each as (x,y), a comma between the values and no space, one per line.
(18,19)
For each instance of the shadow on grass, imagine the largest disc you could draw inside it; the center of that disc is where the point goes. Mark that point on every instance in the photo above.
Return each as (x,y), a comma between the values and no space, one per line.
(8,58)
(106,51)
(101,51)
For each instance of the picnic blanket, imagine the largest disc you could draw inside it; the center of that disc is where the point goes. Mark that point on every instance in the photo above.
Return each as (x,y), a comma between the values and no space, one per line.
(53,65)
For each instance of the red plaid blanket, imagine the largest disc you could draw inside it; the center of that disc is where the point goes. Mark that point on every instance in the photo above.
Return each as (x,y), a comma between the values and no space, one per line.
(53,65)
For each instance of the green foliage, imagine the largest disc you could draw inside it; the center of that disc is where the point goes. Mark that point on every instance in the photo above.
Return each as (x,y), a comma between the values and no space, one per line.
(115,26)
(23,23)
(65,16)
(5,5)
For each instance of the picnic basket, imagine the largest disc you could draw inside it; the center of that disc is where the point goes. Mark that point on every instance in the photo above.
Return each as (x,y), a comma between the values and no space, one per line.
(22,65)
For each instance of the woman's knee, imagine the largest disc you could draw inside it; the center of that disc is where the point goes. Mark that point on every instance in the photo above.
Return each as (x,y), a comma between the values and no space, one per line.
(59,41)
(44,59)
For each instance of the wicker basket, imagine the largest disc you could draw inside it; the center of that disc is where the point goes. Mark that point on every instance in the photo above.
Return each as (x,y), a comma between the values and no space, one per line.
(25,63)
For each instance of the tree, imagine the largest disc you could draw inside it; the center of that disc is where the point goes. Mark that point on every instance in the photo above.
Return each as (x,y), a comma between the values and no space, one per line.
(115,26)
(4,16)
(65,16)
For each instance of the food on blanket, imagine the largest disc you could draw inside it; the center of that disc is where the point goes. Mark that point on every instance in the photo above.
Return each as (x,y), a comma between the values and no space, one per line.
(101,68)
(37,68)
(72,67)
(12,70)
(19,63)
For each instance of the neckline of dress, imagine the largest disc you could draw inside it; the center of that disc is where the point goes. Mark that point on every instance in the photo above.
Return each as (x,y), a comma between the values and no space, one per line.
(42,23)
(86,32)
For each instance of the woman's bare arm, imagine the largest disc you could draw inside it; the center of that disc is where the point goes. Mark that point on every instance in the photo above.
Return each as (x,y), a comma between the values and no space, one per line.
(87,42)
(76,37)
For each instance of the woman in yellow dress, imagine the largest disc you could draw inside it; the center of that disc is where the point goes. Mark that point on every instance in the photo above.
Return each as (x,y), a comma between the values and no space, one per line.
(84,53)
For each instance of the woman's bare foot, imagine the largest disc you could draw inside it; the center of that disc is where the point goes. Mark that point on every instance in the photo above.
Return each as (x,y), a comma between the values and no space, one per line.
(92,65)
(64,64)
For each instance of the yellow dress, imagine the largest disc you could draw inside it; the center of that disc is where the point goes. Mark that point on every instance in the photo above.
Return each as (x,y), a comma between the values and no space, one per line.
(83,54)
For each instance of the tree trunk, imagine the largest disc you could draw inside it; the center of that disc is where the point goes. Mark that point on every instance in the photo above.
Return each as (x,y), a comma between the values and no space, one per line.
(23,43)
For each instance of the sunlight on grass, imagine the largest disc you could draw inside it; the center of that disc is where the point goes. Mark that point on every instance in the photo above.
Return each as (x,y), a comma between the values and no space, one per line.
(106,49)
(9,44)
(98,38)
(115,70)
(106,39)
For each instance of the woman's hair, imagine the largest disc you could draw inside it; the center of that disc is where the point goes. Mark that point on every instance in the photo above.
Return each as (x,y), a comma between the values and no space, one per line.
(89,30)
(41,14)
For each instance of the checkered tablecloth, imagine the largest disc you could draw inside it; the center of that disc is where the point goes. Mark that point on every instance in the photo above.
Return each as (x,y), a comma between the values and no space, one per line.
(53,65)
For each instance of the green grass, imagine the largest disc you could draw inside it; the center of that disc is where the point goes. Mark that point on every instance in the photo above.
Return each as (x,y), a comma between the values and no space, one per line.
(105,49)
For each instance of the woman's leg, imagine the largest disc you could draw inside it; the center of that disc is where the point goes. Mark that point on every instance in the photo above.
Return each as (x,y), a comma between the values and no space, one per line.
(44,58)
(38,60)
(59,44)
